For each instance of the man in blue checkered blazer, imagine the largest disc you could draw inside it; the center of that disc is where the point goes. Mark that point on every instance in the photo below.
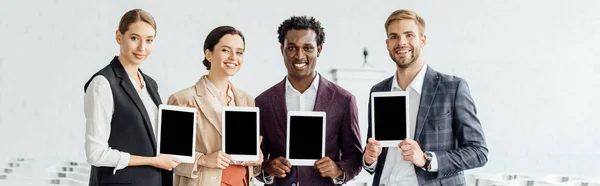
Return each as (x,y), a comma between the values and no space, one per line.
(446,137)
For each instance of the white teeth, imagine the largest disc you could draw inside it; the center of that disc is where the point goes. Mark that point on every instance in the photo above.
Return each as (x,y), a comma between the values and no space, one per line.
(402,51)
(230,65)
(300,65)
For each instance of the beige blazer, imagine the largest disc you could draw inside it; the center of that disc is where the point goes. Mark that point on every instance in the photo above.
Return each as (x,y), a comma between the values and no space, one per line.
(208,135)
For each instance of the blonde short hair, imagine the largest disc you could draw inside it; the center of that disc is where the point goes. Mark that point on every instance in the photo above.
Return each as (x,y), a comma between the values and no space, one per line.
(404,14)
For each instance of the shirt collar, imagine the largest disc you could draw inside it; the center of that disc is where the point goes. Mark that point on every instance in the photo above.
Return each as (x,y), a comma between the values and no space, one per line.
(314,85)
(417,82)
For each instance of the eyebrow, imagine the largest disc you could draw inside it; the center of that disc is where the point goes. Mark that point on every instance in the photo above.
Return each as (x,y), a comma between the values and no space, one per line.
(406,32)
(242,49)
(294,44)
(134,34)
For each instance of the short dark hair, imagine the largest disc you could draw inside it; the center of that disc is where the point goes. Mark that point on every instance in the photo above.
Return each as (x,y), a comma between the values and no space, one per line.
(301,23)
(213,38)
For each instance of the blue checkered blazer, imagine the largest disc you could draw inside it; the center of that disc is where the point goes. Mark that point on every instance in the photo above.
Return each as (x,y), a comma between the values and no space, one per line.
(447,125)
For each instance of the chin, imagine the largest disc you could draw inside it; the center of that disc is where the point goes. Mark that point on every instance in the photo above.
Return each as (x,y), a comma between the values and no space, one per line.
(137,61)
(231,73)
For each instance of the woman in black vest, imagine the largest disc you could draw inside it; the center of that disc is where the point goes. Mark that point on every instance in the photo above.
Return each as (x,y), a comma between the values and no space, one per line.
(121,113)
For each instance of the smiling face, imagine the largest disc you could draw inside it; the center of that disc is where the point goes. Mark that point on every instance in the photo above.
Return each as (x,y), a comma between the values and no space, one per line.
(136,43)
(227,56)
(300,53)
(405,42)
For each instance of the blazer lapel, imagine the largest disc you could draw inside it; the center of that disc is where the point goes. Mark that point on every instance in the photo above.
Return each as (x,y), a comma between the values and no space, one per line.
(324,95)
(279,105)
(152,90)
(205,105)
(430,86)
(239,98)
(128,86)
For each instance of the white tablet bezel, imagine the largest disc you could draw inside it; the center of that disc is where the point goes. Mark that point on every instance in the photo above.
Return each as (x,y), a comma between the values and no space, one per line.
(241,157)
(304,162)
(186,159)
(389,143)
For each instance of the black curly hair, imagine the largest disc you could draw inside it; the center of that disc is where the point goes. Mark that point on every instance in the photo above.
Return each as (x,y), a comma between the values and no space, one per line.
(301,23)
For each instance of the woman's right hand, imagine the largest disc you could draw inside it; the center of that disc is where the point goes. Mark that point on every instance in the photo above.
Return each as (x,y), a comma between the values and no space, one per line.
(216,159)
(165,162)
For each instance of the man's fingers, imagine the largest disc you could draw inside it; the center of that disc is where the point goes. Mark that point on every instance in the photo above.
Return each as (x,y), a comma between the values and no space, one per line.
(406,147)
(283,168)
(287,163)
(322,166)
(409,141)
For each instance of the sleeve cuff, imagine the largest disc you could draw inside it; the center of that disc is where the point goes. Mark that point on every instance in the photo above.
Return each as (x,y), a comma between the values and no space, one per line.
(340,180)
(268,179)
(123,162)
(434,163)
(370,168)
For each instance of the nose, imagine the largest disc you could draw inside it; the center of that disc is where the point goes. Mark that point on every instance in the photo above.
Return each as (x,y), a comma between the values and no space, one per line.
(403,41)
(232,56)
(299,55)
(141,46)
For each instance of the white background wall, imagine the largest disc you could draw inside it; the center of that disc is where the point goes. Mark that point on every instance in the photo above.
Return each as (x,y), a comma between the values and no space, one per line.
(531,65)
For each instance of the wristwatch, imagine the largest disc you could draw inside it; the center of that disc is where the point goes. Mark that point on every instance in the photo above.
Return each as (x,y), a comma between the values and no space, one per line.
(428,157)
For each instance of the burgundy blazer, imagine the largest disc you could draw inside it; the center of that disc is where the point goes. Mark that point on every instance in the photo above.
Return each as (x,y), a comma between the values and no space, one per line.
(342,132)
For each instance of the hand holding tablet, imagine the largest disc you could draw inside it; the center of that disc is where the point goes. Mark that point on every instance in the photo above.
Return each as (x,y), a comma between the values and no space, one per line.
(305,139)
(177,132)
(390,117)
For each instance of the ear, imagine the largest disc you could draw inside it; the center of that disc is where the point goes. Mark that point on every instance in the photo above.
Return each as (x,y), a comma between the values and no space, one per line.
(118,36)
(319,48)
(424,40)
(281,48)
(387,43)
(208,55)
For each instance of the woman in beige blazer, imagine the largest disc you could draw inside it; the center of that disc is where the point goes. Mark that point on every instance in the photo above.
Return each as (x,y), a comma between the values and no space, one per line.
(224,55)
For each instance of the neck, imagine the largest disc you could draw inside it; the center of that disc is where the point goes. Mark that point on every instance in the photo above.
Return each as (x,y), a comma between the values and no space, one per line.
(301,84)
(131,68)
(407,75)
(220,81)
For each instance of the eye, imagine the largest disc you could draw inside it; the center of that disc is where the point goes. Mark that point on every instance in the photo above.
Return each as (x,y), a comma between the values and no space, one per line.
(225,50)
(291,48)
(240,53)
(133,38)
(410,35)
(149,40)
(394,37)
(308,49)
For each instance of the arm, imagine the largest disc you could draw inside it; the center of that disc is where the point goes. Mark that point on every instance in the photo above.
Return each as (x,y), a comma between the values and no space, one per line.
(263,175)
(472,151)
(98,108)
(369,168)
(351,150)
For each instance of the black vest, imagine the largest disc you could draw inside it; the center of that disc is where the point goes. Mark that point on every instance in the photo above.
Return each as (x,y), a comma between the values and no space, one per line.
(131,131)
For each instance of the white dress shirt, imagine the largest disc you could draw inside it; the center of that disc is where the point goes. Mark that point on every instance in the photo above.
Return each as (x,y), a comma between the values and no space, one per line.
(296,101)
(98,107)
(396,170)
